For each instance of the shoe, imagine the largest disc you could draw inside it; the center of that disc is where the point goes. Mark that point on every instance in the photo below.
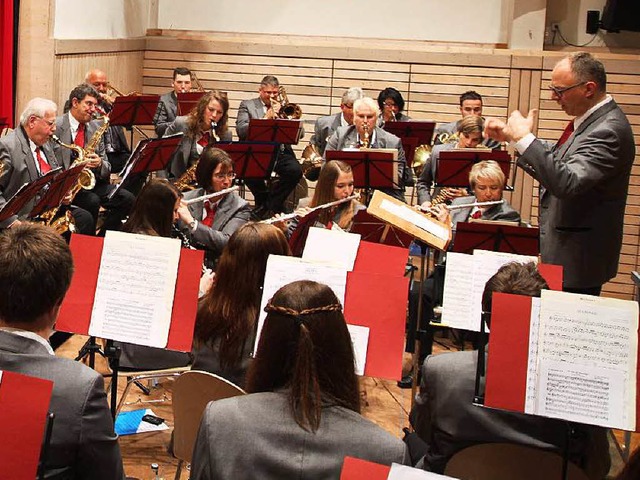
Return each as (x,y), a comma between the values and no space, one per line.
(406,382)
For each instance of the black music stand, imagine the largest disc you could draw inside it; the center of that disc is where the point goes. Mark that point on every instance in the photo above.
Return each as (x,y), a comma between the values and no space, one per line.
(454,165)
(252,160)
(58,189)
(276,130)
(372,229)
(150,155)
(372,169)
(420,129)
(44,451)
(131,110)
(26,193)
(472,236)
(187,101)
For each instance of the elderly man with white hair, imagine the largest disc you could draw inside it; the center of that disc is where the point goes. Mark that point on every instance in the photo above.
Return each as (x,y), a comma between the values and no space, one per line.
(366,112)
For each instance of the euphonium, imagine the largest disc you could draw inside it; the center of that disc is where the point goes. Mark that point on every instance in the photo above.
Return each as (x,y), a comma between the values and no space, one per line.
(311,162)
(421,156)
(288,111)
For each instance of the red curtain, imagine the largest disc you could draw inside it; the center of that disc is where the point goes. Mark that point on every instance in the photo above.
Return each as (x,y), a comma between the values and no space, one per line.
(7,62)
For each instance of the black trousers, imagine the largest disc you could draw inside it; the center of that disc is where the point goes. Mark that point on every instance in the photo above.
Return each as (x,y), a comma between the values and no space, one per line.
(117,207)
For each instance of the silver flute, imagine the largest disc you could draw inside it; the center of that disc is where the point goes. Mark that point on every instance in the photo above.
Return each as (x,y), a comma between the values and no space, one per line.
(211,195)
(290,216)
(466,205)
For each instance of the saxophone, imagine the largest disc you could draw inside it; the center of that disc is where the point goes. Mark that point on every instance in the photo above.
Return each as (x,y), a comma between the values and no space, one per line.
(187,180)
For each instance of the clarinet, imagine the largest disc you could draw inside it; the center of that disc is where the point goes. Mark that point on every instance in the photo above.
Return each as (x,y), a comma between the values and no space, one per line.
(179,234)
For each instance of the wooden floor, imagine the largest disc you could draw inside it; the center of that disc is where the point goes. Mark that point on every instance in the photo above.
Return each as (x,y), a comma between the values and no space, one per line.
(383,403)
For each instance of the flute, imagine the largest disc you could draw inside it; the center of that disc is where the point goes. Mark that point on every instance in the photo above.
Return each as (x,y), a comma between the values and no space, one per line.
(290,216)
(211,195)
(466,205)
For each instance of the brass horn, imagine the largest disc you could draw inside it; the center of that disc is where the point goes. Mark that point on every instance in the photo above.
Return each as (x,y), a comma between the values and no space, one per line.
(289,111)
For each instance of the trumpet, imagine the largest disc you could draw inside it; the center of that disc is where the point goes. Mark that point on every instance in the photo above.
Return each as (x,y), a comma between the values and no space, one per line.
(366,138)
(291,216)
(209,196)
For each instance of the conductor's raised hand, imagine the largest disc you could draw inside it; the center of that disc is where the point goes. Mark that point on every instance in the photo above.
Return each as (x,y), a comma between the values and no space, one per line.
(494,128)
(518,126)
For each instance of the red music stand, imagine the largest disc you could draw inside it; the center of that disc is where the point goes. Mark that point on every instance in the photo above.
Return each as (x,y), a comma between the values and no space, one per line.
(421,129)
(133,110)
(187,101)
(276,130)
(454,165)
(372,229)
(252,160)
(58,189)
(25,194)
(472,236)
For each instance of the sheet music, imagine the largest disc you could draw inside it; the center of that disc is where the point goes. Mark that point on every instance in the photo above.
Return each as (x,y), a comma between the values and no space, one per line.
(403,472)
(458,282)
(410,215)
(597,335)
(532,360)
(360,342)
(340,248)
(135,290)
(283,270)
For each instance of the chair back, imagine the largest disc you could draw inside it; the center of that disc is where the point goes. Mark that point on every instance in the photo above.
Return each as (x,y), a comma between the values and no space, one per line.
(506,461)
(192,391)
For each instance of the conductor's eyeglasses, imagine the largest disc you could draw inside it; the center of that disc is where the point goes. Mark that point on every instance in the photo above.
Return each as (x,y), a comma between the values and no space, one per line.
(559,91)
(222,176)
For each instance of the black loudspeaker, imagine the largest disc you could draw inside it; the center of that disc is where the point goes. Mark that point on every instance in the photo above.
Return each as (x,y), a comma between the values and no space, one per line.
(593,21)
(621,15)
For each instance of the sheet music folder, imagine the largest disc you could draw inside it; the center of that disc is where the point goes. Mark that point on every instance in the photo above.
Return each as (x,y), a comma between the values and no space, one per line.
(62,183)
(420,129)
(375,230)
(454,165)
(372,168)
(252,160)
(278,130)
(133,110)
(25,194)
(75,313)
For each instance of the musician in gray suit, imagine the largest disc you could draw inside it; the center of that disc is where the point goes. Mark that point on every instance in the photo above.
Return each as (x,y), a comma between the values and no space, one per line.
(366,111)
(78,127)
(445,417)
(302,416)
(286,166)
(35,272)
(26,154)
(167,110)
(326,125)
(210,223)
(584,177)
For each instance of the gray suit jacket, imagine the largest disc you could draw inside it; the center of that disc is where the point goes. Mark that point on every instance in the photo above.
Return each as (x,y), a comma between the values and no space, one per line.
(255,436)
(231,214)
(19,167)
(582,208)
(428,174)
(347,137)
(63,132)
(504,211)
(186,151)
(166,112)
(83,444)
(324,127)
(452,127)
(444,416)
(254,108)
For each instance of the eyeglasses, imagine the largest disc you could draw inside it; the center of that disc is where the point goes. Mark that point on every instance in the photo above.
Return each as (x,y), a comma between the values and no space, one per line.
(559,91)
(51,123)
(222,176)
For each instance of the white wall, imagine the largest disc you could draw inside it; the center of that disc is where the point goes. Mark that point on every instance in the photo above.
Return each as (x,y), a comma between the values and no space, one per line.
(436,20)
(102,19)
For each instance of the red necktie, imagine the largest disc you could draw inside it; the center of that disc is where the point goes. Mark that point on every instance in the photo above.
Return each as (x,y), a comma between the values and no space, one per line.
(566,134)
(204,139)
(79,140)
(477,214)
(211,213)
(42,163)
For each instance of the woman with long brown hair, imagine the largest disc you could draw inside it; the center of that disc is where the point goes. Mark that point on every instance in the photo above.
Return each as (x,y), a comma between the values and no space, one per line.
(227,314)
(302,416)
(335,183)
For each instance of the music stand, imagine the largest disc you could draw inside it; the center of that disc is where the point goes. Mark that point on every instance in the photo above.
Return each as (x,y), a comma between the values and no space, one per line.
(150,155)
(131,110)
(58,189)
(276,130)
(472,236)
(454,165)
(421,129)
(26,193)
(375,230)
(251,160)
(372,168)
(187,101)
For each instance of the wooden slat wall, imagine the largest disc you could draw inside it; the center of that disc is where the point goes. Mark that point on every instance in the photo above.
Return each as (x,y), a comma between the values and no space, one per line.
(316,72)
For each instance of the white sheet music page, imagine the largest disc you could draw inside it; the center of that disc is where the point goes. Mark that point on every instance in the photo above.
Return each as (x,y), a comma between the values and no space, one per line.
(360,342)
(333,246)
(532,359)
(587,359)
(136,286)
(282,270)
(458,283)
(403,472)
(410,215)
